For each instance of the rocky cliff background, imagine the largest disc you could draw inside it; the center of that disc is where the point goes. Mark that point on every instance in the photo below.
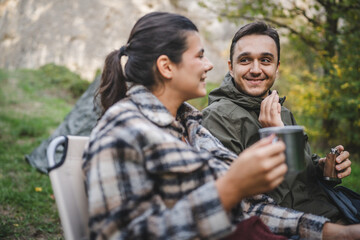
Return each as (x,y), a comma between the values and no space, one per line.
(79,34)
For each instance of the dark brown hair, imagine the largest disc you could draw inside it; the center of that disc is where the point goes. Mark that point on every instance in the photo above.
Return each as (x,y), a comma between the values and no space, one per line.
(257,28)
(153,35)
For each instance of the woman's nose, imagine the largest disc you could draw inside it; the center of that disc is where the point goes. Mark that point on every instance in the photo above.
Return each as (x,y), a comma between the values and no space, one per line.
(209,65)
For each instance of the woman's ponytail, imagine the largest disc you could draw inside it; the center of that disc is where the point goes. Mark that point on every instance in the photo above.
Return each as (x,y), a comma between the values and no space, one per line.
(112,86)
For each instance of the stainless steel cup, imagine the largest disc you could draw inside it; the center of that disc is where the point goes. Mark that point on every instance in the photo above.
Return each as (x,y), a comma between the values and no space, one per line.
(293,137)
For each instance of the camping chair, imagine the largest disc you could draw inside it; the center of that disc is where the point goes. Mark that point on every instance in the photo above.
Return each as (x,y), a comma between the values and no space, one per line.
(68,185)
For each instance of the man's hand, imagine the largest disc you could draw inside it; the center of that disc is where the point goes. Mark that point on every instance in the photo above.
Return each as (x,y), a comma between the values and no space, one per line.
(343,162)
(270,111)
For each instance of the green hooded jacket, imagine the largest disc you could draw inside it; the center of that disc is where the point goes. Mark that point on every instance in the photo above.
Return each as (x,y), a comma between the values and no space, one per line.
(232,117)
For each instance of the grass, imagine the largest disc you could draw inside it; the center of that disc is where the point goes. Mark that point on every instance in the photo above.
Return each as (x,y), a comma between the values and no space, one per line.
(32,104)
(353,181)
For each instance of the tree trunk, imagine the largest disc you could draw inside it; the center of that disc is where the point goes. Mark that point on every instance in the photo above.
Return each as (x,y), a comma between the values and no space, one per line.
(330,35)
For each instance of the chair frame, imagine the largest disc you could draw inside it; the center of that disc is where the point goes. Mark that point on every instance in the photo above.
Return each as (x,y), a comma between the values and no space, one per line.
(68,185)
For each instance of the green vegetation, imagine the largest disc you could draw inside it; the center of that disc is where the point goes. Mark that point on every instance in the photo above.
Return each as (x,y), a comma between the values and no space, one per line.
(32,104)
(352,181)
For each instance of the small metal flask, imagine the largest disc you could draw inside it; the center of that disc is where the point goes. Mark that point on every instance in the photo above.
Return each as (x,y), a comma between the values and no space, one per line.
(330,173)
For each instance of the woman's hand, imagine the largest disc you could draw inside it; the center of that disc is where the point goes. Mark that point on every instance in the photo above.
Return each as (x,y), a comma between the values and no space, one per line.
(258,169)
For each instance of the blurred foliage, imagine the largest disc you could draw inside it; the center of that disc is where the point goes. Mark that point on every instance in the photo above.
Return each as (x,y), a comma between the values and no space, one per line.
(51,77)
(320,62)
(61,76)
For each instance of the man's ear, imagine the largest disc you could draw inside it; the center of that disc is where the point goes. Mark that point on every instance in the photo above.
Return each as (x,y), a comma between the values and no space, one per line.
(164,66)
(277,69)
(230,68)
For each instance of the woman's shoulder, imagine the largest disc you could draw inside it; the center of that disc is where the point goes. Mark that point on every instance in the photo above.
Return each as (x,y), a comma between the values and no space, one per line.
(121,113)
(120,127)
(123,116)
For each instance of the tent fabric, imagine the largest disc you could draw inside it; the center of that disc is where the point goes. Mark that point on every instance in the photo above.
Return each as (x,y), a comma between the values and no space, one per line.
(79,122)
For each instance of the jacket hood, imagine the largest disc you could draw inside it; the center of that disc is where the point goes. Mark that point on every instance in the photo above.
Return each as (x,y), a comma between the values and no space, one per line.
(228,91)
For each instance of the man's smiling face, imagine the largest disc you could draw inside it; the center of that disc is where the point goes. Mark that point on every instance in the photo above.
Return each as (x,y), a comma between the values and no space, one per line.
(254,65)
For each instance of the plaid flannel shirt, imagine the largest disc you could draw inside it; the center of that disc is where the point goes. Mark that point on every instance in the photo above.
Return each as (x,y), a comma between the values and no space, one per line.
(144,182)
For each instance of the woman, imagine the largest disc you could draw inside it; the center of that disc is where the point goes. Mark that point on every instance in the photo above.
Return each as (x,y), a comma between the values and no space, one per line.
(152,171)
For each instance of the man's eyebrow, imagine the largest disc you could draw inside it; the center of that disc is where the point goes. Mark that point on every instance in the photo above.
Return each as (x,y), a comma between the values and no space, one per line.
(264,54)
(267,54)
(242,55)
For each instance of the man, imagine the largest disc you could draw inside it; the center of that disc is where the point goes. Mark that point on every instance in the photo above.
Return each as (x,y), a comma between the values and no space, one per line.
(244,103)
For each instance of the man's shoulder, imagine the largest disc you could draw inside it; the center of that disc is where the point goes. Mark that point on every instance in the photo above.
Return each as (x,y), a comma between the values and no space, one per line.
(224,106)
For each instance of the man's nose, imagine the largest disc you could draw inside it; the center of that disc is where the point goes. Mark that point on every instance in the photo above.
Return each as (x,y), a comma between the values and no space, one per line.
(255,68)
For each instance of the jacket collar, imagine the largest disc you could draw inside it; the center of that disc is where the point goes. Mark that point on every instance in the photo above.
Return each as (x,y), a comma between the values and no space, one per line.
(150,106)
(227,90)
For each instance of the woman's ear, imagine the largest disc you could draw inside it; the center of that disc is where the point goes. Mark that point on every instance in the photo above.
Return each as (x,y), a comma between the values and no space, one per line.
(164,66)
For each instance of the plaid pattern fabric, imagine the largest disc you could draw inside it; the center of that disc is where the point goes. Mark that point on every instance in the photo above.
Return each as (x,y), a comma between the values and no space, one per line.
(143,181)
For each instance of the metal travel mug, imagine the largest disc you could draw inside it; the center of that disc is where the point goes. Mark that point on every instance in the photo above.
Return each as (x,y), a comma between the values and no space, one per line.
(293,137)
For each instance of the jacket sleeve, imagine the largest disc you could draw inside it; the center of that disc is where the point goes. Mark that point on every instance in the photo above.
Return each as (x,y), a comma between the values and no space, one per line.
(285,221)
